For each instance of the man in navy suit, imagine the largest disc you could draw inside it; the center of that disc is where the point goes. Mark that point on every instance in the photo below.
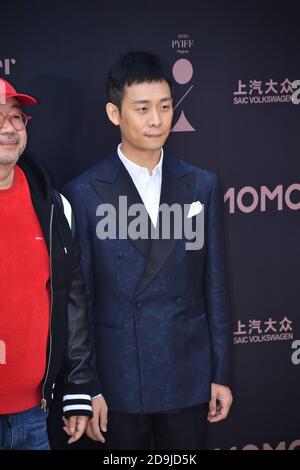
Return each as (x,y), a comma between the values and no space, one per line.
(159,311)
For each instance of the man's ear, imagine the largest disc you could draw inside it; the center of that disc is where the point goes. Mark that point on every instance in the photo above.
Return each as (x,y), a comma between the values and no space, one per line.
(113,113)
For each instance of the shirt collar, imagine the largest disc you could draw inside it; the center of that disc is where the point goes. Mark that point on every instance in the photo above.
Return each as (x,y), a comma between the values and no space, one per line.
(137,170)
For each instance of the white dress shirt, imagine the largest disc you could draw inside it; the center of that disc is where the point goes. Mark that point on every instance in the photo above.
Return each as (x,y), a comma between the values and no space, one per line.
(148,186)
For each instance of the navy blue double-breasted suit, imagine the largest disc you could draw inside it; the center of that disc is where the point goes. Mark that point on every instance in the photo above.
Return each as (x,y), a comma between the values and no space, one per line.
(159,313)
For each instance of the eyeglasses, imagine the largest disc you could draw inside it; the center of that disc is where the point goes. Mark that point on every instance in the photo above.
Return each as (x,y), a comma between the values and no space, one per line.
(18,120)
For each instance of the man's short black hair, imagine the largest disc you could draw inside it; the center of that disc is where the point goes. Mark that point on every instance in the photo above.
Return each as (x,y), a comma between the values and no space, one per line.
(133,68)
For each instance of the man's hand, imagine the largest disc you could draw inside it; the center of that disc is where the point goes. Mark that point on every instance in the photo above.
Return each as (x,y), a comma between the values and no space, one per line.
(99,418)
(220,410)
(75,426)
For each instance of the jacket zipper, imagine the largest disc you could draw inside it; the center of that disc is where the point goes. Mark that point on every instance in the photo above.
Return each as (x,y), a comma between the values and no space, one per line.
(43,400)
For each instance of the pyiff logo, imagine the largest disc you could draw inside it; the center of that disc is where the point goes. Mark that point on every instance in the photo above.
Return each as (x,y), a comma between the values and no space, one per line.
(182,73)
(2,352)
(296,94)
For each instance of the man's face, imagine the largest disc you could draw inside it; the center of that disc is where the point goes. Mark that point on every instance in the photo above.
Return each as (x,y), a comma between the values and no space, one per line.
(146,116)
(12,142)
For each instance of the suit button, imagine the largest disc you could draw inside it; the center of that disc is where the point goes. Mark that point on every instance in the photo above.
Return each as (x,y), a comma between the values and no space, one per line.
(138,305)
(178,300)
(120,254)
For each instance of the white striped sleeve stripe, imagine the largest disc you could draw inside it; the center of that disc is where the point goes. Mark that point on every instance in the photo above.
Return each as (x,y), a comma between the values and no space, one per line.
(77,407)
(77,397)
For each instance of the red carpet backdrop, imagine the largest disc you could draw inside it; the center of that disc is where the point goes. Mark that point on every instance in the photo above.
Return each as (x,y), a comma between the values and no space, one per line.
(233,64)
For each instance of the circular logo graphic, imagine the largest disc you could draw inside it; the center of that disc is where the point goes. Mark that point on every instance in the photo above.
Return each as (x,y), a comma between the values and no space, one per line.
(182,71)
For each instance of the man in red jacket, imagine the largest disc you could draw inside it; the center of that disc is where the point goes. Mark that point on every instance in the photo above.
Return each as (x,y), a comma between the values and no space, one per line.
(42,298)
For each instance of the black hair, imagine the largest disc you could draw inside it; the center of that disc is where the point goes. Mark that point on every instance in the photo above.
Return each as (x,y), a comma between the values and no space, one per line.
(133,68)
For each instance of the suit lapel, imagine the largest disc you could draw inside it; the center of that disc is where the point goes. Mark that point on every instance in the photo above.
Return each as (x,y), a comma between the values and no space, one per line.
(114,182)
(177,187)
(178,184)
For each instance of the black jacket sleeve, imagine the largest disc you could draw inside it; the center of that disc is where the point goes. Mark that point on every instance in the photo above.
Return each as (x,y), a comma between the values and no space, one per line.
(79,374)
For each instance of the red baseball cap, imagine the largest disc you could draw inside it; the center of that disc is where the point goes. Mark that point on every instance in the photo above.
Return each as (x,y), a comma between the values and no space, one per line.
(8,91)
